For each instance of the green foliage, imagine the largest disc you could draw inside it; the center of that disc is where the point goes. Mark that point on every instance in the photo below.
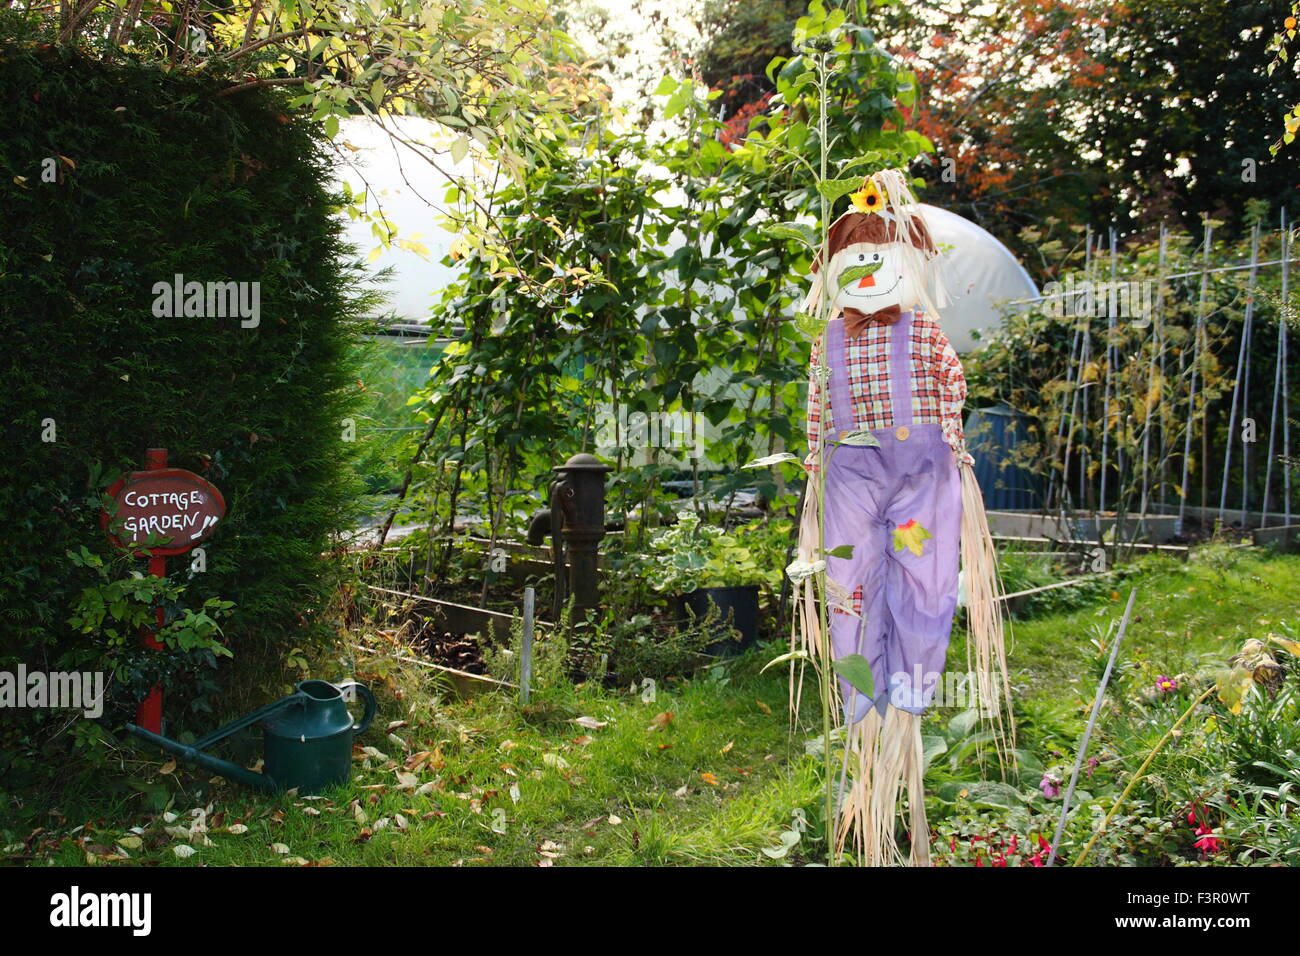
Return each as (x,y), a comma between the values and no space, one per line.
(682,554)
(116,610)
(156,175)
(645,277)
(1022,571)
(641,647)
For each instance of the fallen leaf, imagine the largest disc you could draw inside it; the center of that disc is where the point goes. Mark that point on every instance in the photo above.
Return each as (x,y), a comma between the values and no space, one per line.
(590,723)
(660,720)
(710,779)
(279,848)
(184,850)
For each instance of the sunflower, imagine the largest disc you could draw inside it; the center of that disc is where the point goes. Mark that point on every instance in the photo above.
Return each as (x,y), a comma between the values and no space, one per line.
(868,199)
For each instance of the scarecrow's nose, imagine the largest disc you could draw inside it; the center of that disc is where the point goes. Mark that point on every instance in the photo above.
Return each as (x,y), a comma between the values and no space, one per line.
(867,282)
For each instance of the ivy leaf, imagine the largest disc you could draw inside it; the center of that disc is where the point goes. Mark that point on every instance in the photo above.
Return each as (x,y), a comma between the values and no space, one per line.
(833,189)
(791,230)
(791,656)
(858,437)
(770,460)
(799,571)
(807,324)
(856,669)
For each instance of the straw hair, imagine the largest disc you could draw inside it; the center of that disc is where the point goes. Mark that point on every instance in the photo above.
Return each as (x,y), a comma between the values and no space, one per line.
(902,225)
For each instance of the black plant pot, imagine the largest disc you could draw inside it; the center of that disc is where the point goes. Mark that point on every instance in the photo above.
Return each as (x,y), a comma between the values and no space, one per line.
(737,608)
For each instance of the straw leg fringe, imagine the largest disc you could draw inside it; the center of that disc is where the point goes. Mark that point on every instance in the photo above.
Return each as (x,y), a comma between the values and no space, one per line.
(888,759)
(986,655)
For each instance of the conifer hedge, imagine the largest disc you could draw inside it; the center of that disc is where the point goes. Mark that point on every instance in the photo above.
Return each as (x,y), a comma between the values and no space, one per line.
(115,177)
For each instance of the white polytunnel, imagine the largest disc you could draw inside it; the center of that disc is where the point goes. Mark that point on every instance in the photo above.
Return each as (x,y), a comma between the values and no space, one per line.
(979,273)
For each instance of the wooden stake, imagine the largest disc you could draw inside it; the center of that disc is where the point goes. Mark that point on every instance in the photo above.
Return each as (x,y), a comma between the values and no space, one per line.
(526,647)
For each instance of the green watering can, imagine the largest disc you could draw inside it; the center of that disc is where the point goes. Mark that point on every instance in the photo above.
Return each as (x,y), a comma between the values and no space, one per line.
(307,739)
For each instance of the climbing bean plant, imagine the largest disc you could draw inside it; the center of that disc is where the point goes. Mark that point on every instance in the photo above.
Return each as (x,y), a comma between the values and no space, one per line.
(656,280)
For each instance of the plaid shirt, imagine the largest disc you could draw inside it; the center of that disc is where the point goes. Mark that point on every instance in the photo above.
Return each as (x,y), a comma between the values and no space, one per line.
(938,385)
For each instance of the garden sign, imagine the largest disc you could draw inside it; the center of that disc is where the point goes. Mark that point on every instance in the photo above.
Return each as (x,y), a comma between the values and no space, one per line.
(171,508)
(160,511)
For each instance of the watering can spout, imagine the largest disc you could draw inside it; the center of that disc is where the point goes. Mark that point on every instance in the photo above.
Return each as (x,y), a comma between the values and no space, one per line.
(307,738)
(231,771)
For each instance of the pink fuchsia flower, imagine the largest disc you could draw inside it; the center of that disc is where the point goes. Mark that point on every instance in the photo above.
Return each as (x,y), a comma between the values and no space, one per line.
(1050,785)
(1092,765)
(1208,842)
(1166,684)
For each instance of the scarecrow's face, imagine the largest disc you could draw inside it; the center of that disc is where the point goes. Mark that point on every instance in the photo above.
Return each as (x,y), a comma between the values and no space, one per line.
(868,277)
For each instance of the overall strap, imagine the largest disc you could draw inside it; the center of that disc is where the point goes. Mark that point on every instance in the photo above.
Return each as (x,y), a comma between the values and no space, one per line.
(840,416)
(900,369)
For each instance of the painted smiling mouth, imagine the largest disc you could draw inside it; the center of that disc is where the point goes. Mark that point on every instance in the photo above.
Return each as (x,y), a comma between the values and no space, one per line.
(871,295)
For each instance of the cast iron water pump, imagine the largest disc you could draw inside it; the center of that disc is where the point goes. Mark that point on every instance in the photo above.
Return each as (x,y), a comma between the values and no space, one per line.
(577,525)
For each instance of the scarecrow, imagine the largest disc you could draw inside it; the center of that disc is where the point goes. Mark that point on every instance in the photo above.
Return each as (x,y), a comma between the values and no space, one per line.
(903,515)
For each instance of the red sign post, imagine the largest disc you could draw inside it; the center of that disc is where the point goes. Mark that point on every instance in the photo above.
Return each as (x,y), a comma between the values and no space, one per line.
(173,509)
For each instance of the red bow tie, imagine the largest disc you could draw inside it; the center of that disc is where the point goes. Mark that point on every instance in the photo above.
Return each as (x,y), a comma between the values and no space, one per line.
(855,321)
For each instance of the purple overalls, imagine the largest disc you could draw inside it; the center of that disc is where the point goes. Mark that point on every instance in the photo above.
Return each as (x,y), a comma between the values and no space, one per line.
(907,600)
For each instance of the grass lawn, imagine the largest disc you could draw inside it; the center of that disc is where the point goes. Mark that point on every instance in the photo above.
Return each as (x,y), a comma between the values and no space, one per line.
(707,772)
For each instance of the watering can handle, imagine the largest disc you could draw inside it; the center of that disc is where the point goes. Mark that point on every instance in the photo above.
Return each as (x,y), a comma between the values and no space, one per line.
(364,691)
